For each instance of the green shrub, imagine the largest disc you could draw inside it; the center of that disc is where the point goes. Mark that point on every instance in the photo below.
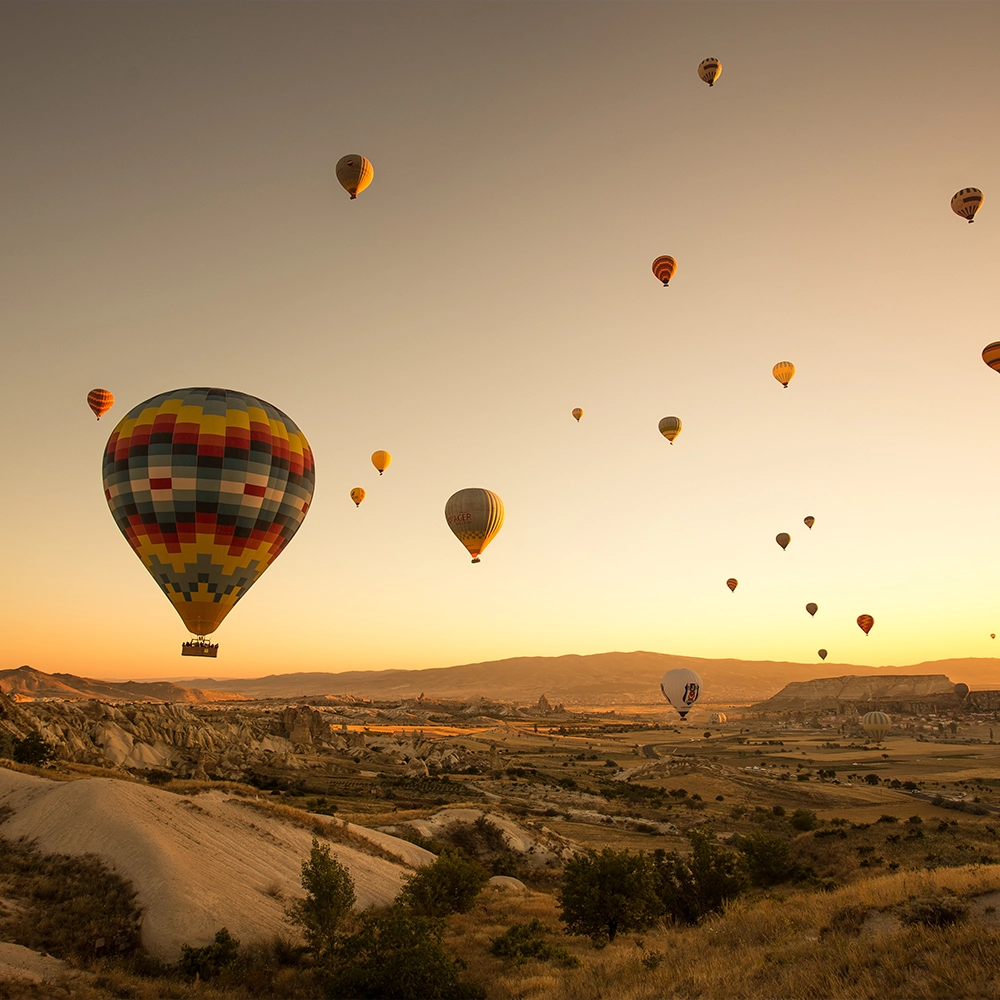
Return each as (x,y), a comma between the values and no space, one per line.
(690,888)
(804,819)
(329,898)
(449,885)
(523,941)
(32,750)
(207,962)
(768,859)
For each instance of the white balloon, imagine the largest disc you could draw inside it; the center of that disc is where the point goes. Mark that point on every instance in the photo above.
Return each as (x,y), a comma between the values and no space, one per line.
(681,688)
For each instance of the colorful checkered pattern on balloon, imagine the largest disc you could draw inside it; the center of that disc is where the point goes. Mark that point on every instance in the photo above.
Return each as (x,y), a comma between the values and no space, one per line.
(208,485)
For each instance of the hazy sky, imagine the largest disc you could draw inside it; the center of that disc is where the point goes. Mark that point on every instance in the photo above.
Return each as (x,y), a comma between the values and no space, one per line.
(171,218)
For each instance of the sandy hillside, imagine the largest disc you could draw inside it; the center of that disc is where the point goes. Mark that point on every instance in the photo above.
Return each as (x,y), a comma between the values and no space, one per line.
(197,863)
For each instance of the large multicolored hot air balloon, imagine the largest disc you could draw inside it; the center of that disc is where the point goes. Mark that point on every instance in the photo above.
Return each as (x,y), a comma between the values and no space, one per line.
(381,460)
(783,371)
(967,202)
(664,268)
(577,413)
(357,495)
(821,654)
(681,688)
(865,623)
(876,725)
(208,486)
(732,583)
(809,521)
(710,70)
(670,427)
(100,401)
(475,516)
(355,173)
(783,538)
(991,355)
(812,608)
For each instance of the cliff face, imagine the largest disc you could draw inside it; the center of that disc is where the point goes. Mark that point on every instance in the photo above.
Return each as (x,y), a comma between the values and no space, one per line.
(917,692)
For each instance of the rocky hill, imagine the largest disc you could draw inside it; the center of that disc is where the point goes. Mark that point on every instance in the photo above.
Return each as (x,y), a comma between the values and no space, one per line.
(908,693)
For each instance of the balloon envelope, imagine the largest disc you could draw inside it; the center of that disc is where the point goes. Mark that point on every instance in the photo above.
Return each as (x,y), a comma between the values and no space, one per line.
(670,427)
(355,173)
(208,486)
(783,372)
(812,608)
(732,583)
(578,413)
(991,355)
(357,495)
(100,401)
(475,516)
(710,70)
(967,202)
(865,623)
(961,689)
(876,725)
(809,521)
(664,268)
(783,538)
(681,688)
(822,654)
(381,460)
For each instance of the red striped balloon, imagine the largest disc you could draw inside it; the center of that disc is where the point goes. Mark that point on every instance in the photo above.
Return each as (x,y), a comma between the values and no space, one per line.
(664,268)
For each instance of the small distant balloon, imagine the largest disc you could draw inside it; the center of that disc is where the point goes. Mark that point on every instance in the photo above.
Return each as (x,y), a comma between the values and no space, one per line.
(710,70)
(355,173)
(357,495)
(822,654)
(670,427)
(991,355)
(967,202)
(783,372)
(664,268)
(732,583)
(865,623)
(381,460)
(961,690)
(681,688)
(993,635)
(100,401)
(809,521)
(812,608)
(577,413)
(783,538)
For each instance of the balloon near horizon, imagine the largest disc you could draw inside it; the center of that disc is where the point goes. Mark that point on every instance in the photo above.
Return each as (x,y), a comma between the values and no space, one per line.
(681,687)
(208,486)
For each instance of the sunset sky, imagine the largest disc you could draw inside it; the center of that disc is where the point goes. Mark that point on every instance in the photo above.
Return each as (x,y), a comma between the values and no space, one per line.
(171,218)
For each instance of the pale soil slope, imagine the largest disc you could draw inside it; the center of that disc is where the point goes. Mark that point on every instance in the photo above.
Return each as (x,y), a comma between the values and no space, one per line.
(197,864)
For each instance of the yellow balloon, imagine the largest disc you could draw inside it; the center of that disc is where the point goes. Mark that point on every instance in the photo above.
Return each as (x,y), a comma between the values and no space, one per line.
(783,372)
(967,202)
(357,495)
(381,460)
(578,413)
(670,427)
(710,70)
(475,516)
(355,173)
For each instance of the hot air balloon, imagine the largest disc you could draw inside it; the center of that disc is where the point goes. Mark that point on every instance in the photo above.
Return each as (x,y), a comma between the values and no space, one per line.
(381,460)
(876,725)
(991,355)
(475,516)
(993,635)
(783,538)
(710,70)
(822,654)
(357,495)
(355,173)
(967,202)
(208,486)
(809,521)
(100,401)
(961,689)
(865,623)
(664,268)
(578,413)
(670,427)
(719,718)
(681,688)
(783,372)
(732,583)
(812,608)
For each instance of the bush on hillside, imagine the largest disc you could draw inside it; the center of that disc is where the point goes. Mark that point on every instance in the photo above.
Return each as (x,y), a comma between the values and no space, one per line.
(329,898)
(449,885)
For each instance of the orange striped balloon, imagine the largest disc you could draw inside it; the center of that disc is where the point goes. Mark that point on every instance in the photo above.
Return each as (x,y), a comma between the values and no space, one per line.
(865,623)
(100,401)
(664,268)
(357,495)
(355,173)
(783,371)
(991,355)
(732,583)
(967,202)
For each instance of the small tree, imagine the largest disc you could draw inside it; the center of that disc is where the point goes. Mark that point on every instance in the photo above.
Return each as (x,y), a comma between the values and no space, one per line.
(330,896)
(602,894)
(768,859)
(32,750)
(204,963)
(690,888)
(448,885)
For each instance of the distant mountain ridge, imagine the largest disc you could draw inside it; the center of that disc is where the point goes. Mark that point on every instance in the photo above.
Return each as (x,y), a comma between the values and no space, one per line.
(27,684)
